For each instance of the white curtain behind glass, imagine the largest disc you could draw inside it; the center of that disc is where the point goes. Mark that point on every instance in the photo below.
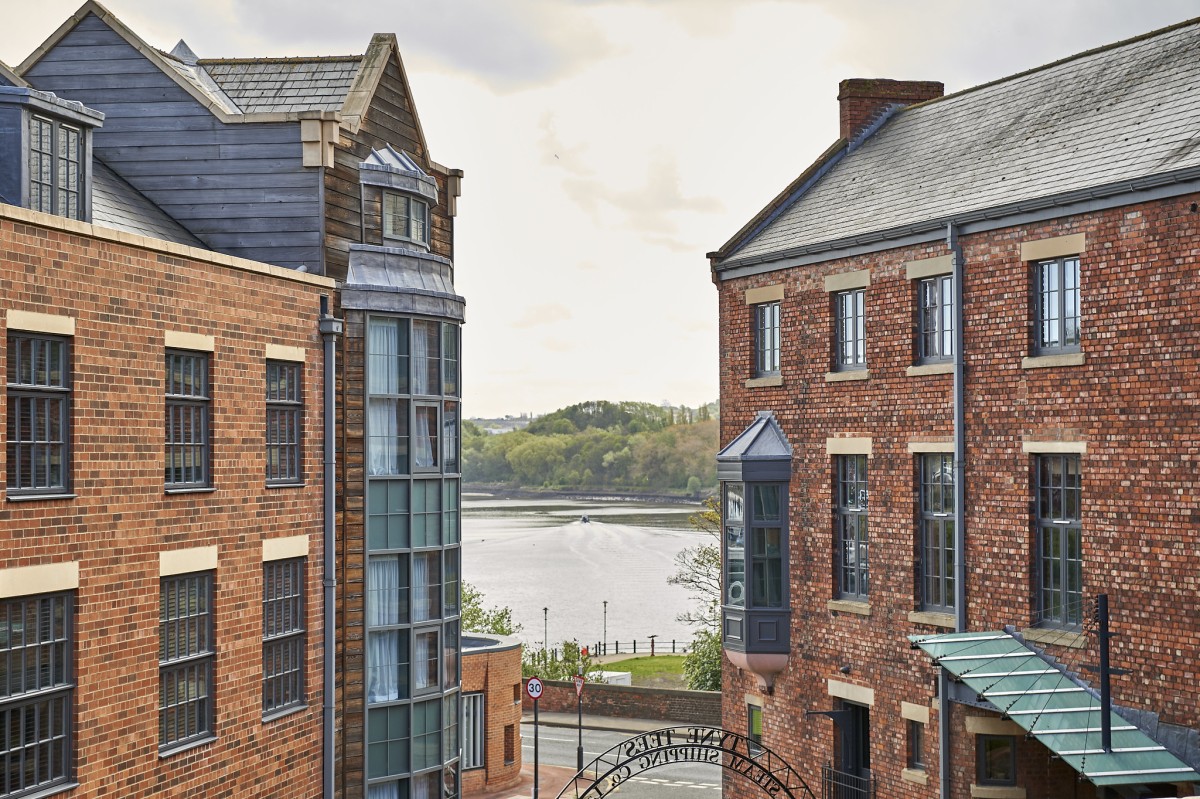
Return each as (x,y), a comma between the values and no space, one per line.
(420,357)
(389,790)
(423,645)
(383,608)
(384,346)
(424,436)
(420,594)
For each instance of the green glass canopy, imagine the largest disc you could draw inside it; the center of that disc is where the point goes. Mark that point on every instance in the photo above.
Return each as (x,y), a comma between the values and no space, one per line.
(1053,706)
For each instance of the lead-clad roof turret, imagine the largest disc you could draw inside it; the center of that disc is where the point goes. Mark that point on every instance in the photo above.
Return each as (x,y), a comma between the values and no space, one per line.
(760,453)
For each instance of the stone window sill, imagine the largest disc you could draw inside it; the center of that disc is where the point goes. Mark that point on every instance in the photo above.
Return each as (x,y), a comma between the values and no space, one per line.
(53,790)
(174,749)
(849,606)
(35,497)
(849,374)
(996,792)
(932,619)
(1052,361)
(194,490)
(920,370)
(763,382)
(1053,637)
(917,775)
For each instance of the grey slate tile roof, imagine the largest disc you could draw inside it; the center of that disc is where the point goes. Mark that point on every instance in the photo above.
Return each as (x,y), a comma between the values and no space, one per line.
(117,205)
(1121,113)
(284,84)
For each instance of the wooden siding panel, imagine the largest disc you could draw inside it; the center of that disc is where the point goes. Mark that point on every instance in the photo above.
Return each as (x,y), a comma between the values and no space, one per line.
(219,180)
(389,119)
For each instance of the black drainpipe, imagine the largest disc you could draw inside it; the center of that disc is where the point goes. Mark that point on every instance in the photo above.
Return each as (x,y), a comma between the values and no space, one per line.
(960,494)
(330,329)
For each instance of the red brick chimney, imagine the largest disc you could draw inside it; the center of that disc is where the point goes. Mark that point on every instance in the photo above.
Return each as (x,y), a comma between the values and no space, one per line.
(863,99)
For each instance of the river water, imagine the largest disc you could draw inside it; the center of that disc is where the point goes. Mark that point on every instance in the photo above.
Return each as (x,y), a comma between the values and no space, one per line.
(534,554)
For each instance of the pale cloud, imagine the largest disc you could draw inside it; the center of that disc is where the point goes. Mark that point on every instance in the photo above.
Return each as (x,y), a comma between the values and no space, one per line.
(541,315)
(673,123)
(561,345)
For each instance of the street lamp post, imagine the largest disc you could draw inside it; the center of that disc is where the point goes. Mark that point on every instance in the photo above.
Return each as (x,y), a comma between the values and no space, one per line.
(545,629)
(604,639)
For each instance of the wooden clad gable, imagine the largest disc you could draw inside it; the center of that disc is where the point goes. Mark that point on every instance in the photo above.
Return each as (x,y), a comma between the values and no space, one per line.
(238,187)
(389,118)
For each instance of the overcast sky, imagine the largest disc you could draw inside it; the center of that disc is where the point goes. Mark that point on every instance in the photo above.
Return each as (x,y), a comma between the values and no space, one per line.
(609,144)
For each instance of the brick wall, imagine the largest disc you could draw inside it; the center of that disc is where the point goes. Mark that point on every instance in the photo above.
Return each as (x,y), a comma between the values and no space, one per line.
(1132,401)
(631,702)
(123,295)
(496,671)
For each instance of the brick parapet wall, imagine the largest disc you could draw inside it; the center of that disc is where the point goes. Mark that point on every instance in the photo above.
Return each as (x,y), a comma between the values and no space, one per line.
(631,702)
(1132,401)
(123,297)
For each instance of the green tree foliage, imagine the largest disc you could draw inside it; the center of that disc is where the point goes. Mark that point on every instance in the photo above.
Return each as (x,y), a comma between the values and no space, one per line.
(561,664)
(699,570)
(625,417)
(626,446)
(702,666)
(478,619)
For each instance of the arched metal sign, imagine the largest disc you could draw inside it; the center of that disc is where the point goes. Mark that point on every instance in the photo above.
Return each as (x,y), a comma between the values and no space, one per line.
(729,750)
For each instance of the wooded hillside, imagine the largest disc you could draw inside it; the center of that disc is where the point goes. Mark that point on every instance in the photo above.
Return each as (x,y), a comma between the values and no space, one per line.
(625,446)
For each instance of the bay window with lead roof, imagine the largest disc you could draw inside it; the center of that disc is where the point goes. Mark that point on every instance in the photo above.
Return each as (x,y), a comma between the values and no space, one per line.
(754,470)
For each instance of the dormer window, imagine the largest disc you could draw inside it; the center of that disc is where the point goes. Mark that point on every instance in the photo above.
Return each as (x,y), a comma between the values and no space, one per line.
(405,218)
(55,156)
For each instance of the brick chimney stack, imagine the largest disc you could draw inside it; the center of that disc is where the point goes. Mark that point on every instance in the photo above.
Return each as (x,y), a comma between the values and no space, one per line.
(863,99)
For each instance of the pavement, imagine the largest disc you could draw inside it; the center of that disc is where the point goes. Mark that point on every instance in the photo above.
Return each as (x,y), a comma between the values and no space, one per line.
(552,779)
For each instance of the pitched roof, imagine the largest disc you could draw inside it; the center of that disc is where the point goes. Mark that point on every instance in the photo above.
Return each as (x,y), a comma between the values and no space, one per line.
(10,78)
(284,84)
(1121,113)
(117,205)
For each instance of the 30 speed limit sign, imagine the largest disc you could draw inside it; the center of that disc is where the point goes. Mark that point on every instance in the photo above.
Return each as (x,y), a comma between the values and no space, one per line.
(533,688)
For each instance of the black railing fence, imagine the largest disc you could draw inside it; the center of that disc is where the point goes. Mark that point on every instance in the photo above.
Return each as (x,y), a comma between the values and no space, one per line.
(840,785)
(632,647)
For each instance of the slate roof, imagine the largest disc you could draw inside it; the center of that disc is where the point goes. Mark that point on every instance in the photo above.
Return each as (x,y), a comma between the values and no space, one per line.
(1120,113)
(284,84)
(117,205)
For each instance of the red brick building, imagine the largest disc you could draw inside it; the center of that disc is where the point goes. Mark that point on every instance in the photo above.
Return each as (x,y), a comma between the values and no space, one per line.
(159,614)
(959,375)
(191,239)
(492,698)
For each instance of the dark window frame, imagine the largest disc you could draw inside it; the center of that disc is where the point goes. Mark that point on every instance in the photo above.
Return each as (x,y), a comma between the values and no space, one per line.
(416,225)
(850,330)
(935,319)
(1058,515)
(935,474)
(915,745)
(1057,305)
(734,521)
(50,703)
(474,730)
(767,339)
(192,720)
(851,501)
(49,166)
(284,423)
(25,399)
(284,649)
(188,420)
(754,732)
(768,574)
(985,745)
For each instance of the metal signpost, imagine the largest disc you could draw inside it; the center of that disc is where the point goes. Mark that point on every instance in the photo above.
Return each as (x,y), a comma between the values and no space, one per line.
(579,681)
(534,689)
